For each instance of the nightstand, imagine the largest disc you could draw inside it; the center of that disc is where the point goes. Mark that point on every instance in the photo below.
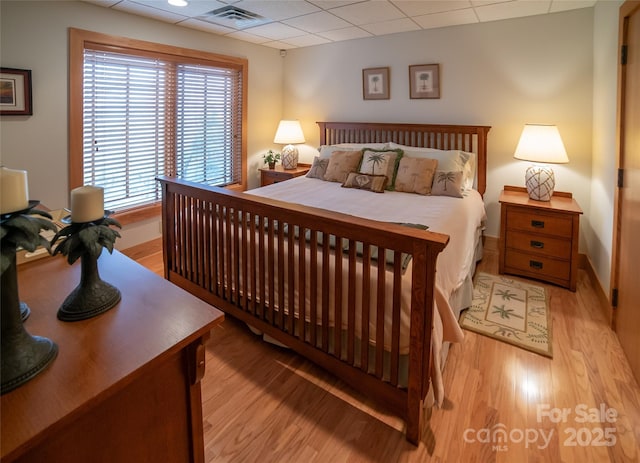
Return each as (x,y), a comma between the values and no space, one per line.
(279,174)
(539,239)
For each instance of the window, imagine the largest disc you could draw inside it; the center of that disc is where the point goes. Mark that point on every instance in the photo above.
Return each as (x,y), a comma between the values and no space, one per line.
(139,110)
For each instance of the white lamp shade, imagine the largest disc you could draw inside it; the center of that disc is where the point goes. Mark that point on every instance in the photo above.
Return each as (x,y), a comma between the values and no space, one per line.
(541,143)
(289,132)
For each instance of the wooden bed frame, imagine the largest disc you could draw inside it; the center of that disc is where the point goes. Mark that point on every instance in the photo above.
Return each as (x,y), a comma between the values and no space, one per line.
(212,250)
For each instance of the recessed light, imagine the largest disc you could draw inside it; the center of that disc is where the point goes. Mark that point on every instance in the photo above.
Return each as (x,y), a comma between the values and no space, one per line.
(178,2)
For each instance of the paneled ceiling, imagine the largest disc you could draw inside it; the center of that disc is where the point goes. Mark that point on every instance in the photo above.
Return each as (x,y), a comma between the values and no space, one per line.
(286,24)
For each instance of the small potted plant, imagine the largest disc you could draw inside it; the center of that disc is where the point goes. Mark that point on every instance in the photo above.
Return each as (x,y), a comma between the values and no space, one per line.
(271,158)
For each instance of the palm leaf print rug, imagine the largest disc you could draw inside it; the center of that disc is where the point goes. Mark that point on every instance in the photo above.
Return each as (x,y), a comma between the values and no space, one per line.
(511,311)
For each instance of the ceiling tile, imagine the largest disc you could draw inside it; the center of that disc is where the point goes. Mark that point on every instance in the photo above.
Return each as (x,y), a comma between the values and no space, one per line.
(328,4)
(279,45)
(564,5)
(415,8)
(149,12)
(245,36)
(317,22)
(275,31)
(488,2)
(391,27)
(206,26)
(345,34)
(193,8)
(306,40)
(104,3)
(453,18)
(513,9)
(277,10)
(368,12)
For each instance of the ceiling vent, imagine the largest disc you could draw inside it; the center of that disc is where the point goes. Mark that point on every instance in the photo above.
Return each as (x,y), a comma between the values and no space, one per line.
(234,17)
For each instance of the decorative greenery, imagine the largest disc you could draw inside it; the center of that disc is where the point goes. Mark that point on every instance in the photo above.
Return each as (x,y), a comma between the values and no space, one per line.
(271,157)
(86,238)
(23,230)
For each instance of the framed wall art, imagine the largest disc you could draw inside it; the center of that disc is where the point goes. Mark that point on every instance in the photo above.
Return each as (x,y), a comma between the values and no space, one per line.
(375,83)
(15,92)
(424,81)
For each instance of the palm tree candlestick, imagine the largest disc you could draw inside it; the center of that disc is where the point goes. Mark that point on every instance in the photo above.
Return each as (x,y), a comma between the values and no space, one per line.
(85,241)
(23,355)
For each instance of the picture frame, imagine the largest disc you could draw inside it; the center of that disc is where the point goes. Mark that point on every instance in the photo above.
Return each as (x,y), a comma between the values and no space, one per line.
(375,83)
(15,92)
(424,81)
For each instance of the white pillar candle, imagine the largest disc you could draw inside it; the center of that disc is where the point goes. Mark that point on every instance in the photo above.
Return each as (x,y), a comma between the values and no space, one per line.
(87,204)
(14,191)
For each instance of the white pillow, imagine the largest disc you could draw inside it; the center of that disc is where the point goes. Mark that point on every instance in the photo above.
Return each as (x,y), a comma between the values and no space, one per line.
(327,150)
(469,179)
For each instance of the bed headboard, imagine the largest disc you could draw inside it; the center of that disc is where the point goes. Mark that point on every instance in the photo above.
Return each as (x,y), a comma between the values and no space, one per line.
(471,138)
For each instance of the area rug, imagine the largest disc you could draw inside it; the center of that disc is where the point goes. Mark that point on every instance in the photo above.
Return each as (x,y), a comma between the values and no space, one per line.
(511,311)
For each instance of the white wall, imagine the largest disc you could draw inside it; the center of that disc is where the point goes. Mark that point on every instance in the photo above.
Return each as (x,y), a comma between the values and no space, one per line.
(503,74)
(558,68)
(599,233)
(34,36)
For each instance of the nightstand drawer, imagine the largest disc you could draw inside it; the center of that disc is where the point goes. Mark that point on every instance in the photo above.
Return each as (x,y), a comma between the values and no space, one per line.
(539,244)
(279,176)
(271,176)
(550,224)
(538,265)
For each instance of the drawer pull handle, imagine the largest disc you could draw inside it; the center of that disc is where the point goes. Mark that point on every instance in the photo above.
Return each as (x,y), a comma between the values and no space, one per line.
(535,264)
(537,223)
(537,244)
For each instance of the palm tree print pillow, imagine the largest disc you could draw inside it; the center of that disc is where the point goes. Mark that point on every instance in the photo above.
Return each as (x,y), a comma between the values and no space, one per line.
(318,168)
(448,184)
(381,162)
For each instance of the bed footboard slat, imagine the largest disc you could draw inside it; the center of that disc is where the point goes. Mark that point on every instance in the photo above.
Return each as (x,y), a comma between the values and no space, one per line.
(337,332)
(395,324)
(380,314)
(351,304)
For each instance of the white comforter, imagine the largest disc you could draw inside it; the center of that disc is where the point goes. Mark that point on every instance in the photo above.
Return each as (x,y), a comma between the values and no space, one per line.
(460,218)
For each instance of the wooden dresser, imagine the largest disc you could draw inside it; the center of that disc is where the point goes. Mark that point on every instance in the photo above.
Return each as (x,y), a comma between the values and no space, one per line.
(539,239)
(125,386)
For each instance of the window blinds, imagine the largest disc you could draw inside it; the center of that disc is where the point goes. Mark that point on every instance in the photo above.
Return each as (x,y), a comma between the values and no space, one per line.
(144,117)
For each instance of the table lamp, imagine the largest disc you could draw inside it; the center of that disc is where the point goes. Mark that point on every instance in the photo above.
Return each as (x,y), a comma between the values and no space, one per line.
(540,144)
(289,132)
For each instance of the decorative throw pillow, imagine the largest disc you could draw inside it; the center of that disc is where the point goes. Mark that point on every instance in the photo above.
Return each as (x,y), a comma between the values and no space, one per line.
(448,184)
(340,164)
(375,183)
(318,168)
(381,162)
(415,175)
(448,160)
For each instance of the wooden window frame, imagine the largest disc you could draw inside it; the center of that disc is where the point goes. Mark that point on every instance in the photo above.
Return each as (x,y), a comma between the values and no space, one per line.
(78,40)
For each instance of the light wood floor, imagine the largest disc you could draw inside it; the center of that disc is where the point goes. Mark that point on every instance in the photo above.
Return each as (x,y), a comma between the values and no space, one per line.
(263,403)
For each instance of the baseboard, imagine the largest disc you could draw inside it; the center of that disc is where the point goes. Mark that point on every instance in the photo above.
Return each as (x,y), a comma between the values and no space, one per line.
(585,264)
(490,243)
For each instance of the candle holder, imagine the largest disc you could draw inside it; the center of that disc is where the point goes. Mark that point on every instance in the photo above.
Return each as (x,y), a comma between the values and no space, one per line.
(85,241)
(23,356)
